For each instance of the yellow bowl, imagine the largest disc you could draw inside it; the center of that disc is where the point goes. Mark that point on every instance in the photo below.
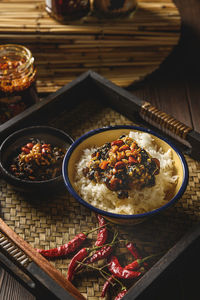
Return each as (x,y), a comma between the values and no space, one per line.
(100,136)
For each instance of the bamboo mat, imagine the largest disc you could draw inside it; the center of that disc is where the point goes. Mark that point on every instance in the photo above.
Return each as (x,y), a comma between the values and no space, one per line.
(123,50)
(50,222)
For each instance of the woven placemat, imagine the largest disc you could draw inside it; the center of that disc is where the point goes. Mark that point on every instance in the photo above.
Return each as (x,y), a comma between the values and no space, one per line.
(123,50)
(49,222)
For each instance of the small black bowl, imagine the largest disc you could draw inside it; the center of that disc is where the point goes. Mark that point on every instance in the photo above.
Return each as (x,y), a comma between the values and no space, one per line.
(16,140)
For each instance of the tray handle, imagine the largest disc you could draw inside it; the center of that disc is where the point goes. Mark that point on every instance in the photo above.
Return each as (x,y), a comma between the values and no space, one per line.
(35,266)
(164,121)
(172,127)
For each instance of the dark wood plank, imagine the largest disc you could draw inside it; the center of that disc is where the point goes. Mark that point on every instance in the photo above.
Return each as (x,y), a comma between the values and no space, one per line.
(174,87)
(193,91)
(168,96)
(166,88)
(12,289)
(190,45)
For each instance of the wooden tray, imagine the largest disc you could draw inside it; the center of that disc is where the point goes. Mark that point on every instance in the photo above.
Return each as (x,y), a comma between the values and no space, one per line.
(88,102)
(124,50)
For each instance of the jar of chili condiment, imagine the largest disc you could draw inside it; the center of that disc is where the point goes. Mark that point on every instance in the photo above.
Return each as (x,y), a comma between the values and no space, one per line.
(114,8)
(17,80)
(65,10)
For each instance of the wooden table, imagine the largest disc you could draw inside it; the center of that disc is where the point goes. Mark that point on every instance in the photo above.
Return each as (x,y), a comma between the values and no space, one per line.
(174,89)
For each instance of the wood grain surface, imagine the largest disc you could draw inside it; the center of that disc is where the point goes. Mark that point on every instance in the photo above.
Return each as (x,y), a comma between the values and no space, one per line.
(12,289)
(123,50)
(175,89)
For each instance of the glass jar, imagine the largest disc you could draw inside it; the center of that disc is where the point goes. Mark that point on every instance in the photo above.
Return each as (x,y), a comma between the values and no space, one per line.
(17,80)
(114,8)
(65,10)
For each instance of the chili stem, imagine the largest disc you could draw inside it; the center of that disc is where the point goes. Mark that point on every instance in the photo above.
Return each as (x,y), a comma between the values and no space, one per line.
(101,270)
(150,256)
(95,229)
(102,274)
(108,244)
(90,251)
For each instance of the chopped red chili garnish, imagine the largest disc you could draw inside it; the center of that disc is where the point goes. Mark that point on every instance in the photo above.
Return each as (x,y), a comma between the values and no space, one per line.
(37,161)
(122,165)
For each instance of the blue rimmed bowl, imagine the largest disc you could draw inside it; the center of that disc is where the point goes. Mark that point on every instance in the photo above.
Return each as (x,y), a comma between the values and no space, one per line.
(100,136)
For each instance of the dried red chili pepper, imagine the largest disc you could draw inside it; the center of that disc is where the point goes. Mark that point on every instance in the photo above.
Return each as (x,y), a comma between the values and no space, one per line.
(132,266)
(136,263)
(78,257)
(29,145)
(121,294)
(26,150)
(65,249)
(104,252)
(117,142)
(101,220)
(134,251)
(123,148)
(69,247)
(103,233)
(103,165)
(139,262)
(116,269)
(120,165)
(101,237)
(132,160)
(106,286)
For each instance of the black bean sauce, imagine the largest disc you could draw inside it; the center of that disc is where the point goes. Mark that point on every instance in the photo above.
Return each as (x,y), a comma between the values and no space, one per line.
(37,161)
(122,165)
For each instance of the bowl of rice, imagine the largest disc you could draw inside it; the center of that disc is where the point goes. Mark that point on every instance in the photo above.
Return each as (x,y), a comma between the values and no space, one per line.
(125,173)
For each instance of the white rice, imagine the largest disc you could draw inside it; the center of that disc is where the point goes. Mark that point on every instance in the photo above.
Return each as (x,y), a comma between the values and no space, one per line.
(138,201)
